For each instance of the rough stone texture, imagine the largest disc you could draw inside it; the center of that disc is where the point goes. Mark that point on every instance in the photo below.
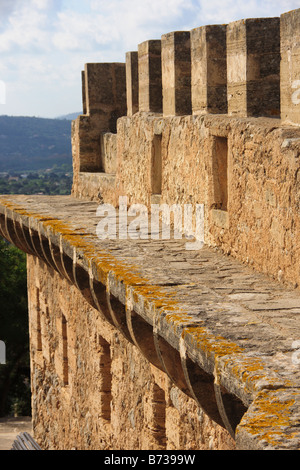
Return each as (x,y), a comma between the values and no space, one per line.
(98,187)
(143,333)
(290,68)
(132,83)
(69,416)
(104,100)
(105,86)
(261,224)
(209,69)
(176,73)
(253,67)
(108,142)
(264,426)
(150,81)
(205,320)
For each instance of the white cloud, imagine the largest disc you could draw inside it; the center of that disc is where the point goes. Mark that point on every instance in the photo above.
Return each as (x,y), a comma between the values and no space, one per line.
(27,28)
(225,11)
(45,43)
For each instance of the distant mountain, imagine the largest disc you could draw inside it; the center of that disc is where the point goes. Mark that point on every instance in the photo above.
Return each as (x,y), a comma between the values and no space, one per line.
(69,117)
(30,143)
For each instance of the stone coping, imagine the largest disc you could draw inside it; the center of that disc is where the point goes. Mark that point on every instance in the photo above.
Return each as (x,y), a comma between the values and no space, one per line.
(224,334)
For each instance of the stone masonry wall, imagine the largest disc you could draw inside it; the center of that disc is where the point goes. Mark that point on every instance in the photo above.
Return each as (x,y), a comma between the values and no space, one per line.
(92,389)
(261,221)
(260,181)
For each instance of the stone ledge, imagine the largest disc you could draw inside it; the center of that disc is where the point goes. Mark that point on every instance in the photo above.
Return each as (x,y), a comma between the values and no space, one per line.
(95,186)
(223,333)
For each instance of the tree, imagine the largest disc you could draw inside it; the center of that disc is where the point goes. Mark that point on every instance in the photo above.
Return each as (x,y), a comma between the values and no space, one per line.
(15,375)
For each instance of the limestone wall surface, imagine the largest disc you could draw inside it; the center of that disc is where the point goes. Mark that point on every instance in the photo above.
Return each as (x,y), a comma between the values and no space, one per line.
(260,223)
(93,390)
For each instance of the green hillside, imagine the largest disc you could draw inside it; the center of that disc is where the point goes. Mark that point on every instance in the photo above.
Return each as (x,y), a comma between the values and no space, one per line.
(31,144)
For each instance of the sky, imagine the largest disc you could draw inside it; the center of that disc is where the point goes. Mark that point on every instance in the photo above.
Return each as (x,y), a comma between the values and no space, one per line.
(44,44)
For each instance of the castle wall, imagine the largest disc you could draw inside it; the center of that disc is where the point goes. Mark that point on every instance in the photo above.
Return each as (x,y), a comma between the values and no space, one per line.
(290,68)
(210,117)
(244,165)
(251,202)
(205,117)
(92,389)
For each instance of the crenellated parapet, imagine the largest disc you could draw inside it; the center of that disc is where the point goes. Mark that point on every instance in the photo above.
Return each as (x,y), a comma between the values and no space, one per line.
(248,68)
(212,102)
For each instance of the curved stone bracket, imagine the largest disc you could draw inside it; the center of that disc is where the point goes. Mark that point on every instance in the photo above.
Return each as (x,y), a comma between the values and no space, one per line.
(230,408)
(45,247)
(27,239)
(118,314)
(20,232)
(142,336)
(98,292)
(35,243)
(57,260)
(14,230)
(67,264)
(170,359)
(82,280)
(201,386)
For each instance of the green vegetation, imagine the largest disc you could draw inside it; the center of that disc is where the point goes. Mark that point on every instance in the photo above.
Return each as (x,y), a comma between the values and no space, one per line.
(56,181)
(15,395)
(32,144)
(15,375)
(35,158)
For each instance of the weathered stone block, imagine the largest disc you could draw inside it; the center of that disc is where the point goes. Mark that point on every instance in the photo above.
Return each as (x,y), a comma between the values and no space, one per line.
(132,83)
(176,73)
(104,101)
(108,142)
(105,91)
(253,67)
(83,90)
(150,81)
(209,69)
(290,67)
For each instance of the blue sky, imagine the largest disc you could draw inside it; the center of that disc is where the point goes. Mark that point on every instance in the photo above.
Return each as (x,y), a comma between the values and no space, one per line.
(44,44)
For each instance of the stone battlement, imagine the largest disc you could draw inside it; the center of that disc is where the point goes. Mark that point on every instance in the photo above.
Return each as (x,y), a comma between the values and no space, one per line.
(226,91)
(242,68)
(140,343)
